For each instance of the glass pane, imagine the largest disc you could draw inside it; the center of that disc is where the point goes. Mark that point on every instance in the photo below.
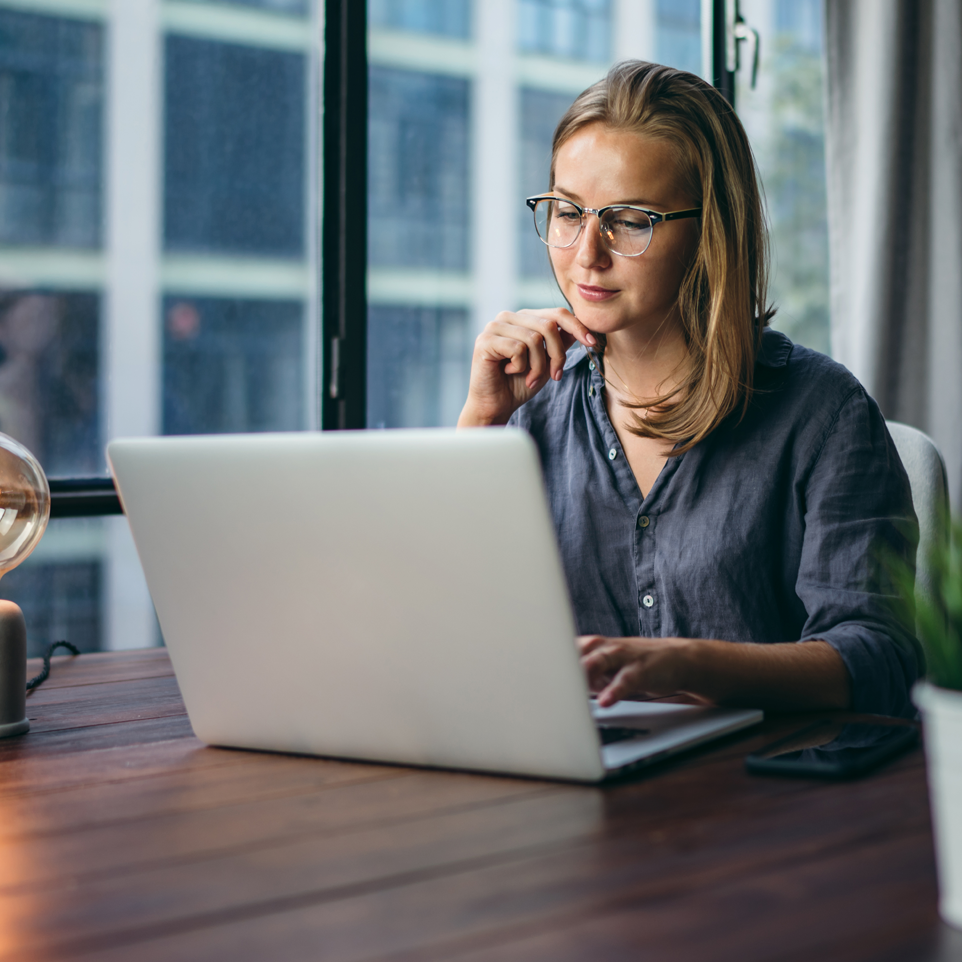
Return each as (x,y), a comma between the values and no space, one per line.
(49,365)
(418,170)
(454,148)
(416,365)
(158,226)
(679,34)
(576,29)
(278,6)
(232,365)
(448,18)
(783,117)
(51,106)
(234,148)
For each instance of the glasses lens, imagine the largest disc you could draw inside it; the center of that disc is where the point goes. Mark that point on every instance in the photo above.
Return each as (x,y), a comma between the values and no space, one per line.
(626,230)
(558,222)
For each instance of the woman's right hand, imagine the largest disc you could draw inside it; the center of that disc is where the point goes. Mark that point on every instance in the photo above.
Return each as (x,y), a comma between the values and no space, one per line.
(514,357)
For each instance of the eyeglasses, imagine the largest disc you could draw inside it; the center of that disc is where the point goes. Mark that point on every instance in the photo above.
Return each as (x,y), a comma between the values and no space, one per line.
(626,230)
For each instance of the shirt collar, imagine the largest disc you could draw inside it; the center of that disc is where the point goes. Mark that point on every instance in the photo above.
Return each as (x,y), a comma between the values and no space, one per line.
(774,350)
(576,354)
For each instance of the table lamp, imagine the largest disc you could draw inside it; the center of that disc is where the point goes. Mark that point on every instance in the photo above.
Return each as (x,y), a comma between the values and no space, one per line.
(24,512)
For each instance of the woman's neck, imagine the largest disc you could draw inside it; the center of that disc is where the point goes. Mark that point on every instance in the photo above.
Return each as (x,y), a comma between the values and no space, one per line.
(642,365)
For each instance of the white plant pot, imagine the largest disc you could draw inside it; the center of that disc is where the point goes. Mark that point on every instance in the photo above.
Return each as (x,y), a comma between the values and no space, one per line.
(942,722)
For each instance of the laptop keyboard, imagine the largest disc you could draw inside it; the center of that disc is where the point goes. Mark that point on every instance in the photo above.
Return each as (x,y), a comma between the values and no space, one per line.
(616,733)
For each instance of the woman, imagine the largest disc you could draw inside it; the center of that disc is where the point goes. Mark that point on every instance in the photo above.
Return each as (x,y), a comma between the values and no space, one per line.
(710,482)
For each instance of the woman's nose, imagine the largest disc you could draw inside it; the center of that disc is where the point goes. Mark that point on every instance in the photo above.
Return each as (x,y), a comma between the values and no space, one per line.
(592,251)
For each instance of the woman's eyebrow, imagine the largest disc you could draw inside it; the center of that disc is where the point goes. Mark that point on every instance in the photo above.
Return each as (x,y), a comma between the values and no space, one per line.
(568,193)
(640,202)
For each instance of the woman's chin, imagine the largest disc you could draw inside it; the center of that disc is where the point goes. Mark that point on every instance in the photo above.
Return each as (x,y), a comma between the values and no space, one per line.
(597,319)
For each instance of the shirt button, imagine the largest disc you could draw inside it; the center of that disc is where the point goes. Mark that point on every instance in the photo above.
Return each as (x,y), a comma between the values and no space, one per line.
(647,601)
(612,454)
(643,521)
(591,365)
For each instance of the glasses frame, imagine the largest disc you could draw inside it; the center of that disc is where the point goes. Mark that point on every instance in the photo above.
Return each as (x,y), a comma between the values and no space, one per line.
(656,217)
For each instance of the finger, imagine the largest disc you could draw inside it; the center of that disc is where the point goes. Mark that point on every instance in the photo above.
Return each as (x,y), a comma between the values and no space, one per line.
(536,359)
(620,687)
(588,643)
(573,326)
(569,324)
(605,661)
(499,348)
(555,344)
(601,666)
(556,340)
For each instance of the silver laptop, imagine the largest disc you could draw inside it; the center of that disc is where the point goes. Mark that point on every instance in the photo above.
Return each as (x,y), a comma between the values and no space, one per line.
(392,596)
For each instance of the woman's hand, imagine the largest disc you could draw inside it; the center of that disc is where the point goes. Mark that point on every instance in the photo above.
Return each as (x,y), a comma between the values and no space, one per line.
(619,668)
(514,357)
(787,676)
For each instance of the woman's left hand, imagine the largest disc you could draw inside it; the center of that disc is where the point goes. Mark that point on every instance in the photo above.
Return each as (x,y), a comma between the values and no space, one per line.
(636,667)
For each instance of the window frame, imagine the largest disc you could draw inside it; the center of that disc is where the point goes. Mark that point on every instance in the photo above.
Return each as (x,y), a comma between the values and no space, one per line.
(342,400)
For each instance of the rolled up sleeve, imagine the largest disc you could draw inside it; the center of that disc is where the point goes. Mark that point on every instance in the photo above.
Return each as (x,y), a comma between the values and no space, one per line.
(858,516)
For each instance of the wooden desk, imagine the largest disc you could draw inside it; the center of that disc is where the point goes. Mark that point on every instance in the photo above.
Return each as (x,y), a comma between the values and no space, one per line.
(124,838)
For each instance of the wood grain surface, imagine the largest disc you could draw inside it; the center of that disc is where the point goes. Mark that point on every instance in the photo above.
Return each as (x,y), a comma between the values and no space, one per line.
(123,837)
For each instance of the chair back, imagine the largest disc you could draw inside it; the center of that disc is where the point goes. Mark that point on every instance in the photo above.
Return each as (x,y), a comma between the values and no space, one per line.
(930,494)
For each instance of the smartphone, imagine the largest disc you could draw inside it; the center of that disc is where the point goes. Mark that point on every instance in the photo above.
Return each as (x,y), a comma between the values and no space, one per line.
(829,749)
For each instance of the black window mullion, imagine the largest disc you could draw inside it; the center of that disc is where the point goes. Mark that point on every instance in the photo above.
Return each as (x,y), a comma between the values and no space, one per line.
(344,231)
(723,16)
(83,497)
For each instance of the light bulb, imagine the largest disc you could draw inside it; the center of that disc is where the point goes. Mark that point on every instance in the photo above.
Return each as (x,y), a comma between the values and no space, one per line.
(24,513)
(24,503)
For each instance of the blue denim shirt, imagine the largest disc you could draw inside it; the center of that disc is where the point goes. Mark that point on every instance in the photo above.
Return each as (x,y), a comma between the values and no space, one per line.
(771,529)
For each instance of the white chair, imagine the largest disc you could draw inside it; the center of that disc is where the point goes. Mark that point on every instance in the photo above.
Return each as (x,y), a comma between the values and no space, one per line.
(930,494)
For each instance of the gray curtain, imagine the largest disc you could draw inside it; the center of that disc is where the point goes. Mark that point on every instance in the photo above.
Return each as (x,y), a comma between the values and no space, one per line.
(894,157)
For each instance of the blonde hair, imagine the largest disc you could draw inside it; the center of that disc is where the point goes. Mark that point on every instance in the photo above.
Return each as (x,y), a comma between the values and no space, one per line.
(722,299)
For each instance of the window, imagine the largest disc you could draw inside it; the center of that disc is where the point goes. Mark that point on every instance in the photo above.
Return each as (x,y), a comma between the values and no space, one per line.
(158,257)
(783,117)
(49,390)
(232,365)
(573,29)
(446,18)
(418,362)
(679,34)
(417,170)
(234,141)
(51,109)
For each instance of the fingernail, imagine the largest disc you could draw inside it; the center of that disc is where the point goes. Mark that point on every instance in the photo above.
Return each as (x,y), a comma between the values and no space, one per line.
(557,375)
(590,338)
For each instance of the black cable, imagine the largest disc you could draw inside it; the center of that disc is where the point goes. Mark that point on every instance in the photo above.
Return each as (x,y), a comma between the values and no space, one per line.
(42,677)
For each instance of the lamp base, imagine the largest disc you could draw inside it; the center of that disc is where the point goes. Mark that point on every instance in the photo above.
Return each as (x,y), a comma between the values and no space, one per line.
(15,728)
(13,671)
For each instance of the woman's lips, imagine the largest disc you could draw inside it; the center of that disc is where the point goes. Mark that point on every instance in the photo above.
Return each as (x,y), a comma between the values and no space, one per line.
(590,293)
